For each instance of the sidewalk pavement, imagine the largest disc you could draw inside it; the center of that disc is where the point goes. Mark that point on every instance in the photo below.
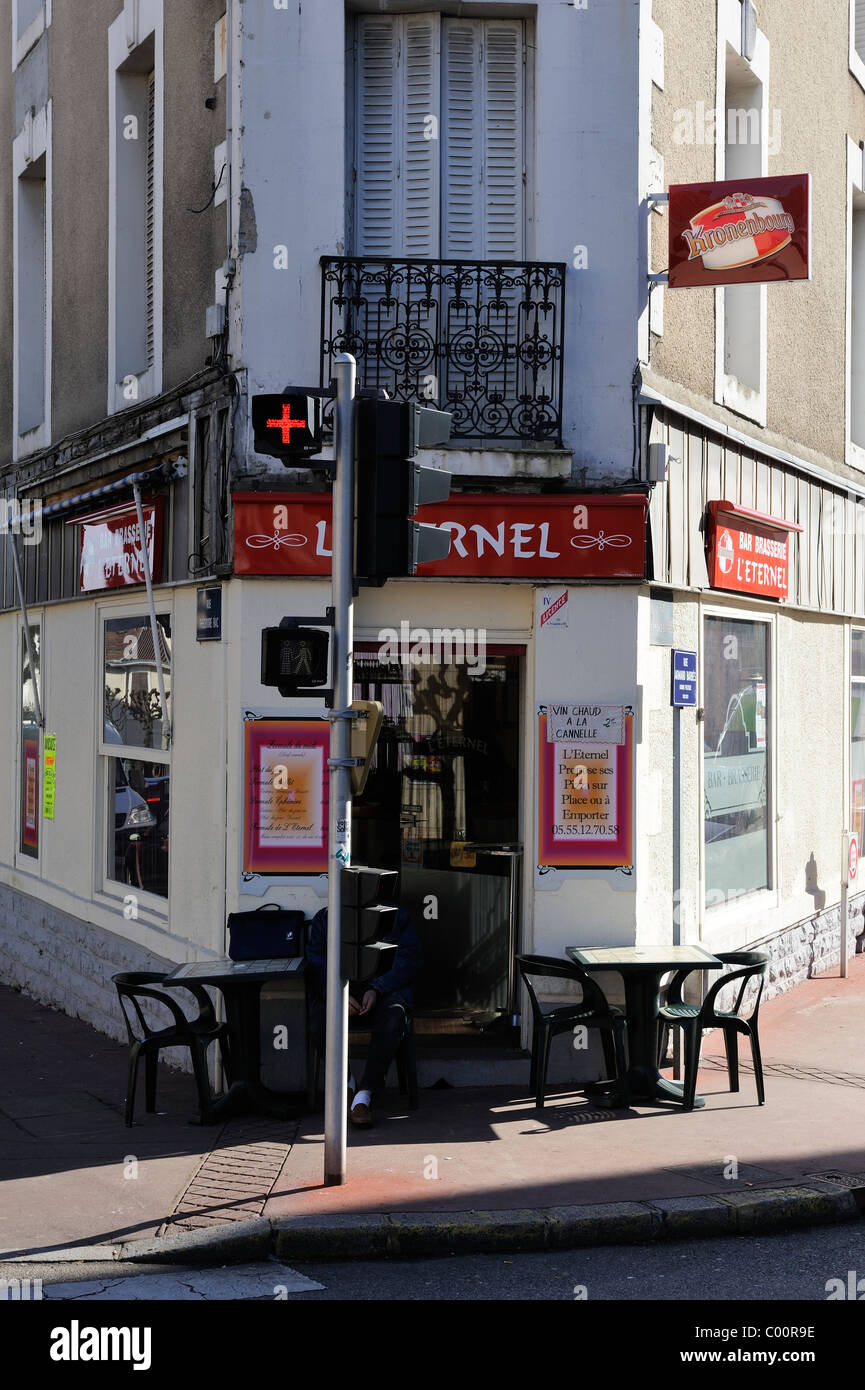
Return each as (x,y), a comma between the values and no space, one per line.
(470,1169)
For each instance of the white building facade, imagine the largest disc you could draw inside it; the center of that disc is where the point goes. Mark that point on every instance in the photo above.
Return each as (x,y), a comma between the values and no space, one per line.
(459,196)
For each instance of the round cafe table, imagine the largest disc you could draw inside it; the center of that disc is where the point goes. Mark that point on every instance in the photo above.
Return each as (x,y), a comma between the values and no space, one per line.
(641,968)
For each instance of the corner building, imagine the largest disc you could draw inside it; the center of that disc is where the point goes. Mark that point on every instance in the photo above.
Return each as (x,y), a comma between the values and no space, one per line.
(208,203)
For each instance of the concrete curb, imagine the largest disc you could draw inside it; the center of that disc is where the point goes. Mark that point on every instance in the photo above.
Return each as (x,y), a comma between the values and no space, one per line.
(401,1235)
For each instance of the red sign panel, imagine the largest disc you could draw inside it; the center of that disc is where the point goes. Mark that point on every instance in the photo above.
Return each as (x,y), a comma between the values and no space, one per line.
(740,232)
(748,551)
(110,555)
(581,536)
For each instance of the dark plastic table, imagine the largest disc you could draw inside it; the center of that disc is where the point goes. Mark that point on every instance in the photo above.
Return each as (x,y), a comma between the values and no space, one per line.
(240,982)
(641,968)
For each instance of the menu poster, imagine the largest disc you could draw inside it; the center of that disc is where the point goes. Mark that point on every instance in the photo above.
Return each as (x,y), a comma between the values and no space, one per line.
(285,796)
(585,800)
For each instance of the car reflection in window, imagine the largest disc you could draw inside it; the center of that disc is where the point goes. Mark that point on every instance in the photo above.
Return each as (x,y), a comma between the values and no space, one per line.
(735,769)
(140,849)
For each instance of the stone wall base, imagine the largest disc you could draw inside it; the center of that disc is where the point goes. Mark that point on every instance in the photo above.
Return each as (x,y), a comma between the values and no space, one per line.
(67,963)
(812,947)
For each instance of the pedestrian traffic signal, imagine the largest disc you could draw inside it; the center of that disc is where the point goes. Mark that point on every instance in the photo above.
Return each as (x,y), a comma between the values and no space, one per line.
(368,913)
(391,488)
(295,659)
(287,426)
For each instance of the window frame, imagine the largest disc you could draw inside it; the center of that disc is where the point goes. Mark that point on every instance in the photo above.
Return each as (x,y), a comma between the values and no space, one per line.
(32,143)
(852,681)
(855,61)
(26,39)
(854,453)
(741,907)
(352,53)
(131,31)
(729,392)
(106,752)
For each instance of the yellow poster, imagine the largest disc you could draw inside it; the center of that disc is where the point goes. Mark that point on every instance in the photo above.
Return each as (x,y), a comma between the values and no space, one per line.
(49,776)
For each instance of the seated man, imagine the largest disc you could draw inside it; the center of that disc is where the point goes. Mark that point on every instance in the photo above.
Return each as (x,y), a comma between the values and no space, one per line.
(380,1004)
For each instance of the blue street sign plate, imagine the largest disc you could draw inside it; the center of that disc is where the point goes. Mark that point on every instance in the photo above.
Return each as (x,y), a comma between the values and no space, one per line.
(684,677)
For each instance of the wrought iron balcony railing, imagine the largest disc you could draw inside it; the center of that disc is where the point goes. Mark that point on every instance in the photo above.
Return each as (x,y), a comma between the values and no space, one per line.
(482,339)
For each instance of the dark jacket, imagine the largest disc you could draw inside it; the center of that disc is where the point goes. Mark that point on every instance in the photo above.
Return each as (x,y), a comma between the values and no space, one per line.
(407,963)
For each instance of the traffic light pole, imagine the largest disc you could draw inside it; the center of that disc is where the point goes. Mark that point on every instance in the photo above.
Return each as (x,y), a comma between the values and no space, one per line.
(339,835)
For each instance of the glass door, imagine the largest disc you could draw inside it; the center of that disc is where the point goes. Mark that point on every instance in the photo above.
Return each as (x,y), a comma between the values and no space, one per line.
(441,807)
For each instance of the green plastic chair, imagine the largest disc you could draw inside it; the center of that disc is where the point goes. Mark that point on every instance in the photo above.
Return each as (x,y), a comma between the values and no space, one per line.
(147,1042)
(693,1018)
(591,1011)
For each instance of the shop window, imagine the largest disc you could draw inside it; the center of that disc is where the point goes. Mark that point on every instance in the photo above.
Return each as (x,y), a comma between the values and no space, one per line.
(138,778)
(736,752)
(857,737)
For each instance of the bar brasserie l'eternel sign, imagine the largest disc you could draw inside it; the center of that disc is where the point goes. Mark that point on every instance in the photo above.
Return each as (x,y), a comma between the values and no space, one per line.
(749,551)
(579,536)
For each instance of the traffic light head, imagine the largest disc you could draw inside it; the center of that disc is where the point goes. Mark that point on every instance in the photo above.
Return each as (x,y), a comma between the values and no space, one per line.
(391,488)
(368,914)
(287,426)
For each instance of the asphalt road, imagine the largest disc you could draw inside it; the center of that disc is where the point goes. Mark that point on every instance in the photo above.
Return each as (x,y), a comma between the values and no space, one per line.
(796,1265)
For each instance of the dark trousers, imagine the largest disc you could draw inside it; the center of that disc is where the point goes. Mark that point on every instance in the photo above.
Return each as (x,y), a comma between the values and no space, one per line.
(386,1024)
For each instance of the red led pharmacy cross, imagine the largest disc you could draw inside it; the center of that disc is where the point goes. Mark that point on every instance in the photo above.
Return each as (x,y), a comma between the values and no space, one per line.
(286,424)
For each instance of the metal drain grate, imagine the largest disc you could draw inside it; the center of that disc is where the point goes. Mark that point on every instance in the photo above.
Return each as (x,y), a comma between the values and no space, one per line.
(235,1179)
(852,1180)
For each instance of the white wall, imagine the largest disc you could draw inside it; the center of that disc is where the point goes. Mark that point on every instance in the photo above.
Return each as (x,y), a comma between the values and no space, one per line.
(593,659)
(68,874)
(585,159)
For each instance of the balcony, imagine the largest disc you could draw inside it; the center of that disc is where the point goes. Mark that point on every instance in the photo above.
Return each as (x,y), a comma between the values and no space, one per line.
(482,339)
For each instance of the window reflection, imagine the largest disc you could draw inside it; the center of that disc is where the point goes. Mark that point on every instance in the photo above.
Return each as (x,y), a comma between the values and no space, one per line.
(736,735)
(133,706)
(138,836)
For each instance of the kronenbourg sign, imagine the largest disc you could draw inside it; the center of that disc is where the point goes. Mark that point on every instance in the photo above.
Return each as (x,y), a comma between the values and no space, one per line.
(741,231)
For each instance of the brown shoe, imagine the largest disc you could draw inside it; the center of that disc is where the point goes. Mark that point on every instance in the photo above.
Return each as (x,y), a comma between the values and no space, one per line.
(360,1115)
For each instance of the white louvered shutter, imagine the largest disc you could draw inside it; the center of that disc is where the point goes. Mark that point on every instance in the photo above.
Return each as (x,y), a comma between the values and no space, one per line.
(483,144)
(504,156)
(377,115)
(462,227)
(398,83)
(421,80)
(859,39)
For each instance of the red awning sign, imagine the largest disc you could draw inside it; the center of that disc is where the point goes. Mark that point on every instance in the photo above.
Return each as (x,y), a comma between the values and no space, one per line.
(579,536)
(749,551)
(110,555)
